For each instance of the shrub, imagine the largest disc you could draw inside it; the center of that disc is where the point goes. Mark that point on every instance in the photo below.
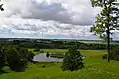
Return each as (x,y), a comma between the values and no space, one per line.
(47,54)
(43,66)
(41,51)
(17,58)
(115,53)
(30,55)
(2,59)
(72,60)
(104,56)
(57,55)
(37,49)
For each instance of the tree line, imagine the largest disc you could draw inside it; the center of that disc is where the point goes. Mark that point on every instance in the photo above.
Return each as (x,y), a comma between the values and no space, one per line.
(60,45)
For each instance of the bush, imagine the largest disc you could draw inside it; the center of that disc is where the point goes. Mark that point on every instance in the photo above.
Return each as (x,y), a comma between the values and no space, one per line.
(57,55)
(104,56)
(30,55)
(115,53)
(72,60)
(36,50)
(116,58)
(41,51)
(47,54)
(17,58)
(2,59)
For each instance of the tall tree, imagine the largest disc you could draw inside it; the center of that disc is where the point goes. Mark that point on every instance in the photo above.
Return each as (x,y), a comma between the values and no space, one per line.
(106,21)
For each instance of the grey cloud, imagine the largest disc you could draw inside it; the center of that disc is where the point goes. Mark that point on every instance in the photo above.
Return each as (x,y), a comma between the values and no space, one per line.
(38,27)
(55,11)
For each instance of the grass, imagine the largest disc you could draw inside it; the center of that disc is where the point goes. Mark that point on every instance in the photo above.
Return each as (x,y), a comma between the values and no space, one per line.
(84,52)
(34,51)
(54,50)
(98,42)
(95,68)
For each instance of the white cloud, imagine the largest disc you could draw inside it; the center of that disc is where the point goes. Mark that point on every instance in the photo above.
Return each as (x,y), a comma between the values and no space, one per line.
(66,11)
(37,28)
(38,18)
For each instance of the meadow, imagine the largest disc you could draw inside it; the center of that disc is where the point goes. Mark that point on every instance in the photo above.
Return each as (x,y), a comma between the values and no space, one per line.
(95,68)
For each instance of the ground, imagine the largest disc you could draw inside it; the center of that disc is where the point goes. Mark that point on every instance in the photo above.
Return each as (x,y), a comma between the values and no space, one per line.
(95,68)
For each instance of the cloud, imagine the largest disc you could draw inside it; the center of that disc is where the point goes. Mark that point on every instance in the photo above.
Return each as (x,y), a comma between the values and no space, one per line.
(47,18)
(76,12)
(38,28)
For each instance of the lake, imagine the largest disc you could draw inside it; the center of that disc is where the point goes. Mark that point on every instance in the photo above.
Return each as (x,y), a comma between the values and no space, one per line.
(42,58)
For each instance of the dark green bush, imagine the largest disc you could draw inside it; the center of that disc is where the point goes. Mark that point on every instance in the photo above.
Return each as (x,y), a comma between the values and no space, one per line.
(104,56)
(2,59)
(37,50)
(17,58)
(72,60)
(43,66)
(41,51)
(115,53)
(30,55)
(47,54)
(57,55)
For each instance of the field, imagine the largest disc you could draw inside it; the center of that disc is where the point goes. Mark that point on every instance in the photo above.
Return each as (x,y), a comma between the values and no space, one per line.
(95,68)
(98,42)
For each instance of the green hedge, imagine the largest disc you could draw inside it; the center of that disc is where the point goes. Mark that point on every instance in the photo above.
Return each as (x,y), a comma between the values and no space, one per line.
(57,55)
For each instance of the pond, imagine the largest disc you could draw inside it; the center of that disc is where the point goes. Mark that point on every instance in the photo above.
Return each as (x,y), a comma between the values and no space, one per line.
(42,58)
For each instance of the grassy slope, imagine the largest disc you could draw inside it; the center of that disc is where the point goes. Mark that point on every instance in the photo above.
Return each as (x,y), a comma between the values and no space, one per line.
(95,68)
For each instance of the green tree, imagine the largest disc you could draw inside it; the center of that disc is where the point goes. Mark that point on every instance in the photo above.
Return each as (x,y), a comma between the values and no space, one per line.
(17,58)
(72,60)
(2,59)
(106,21)
(30,55)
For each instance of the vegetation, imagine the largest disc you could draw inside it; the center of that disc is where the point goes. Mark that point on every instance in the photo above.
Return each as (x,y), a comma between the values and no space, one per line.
(57,55)
(95,68)
(15,57)
(47,54)
(65,45)
(37,49)
(17,61)
(105,21)
(115,53)
(2,59)
(72,60)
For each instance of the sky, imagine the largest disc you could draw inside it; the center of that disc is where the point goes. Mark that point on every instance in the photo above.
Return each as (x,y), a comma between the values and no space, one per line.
(53,19)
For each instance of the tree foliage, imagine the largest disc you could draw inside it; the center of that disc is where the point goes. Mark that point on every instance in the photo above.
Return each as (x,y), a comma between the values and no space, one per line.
(107,21)
(72,60)
(2,59)
(17,58)
(115,53)
(108,18)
